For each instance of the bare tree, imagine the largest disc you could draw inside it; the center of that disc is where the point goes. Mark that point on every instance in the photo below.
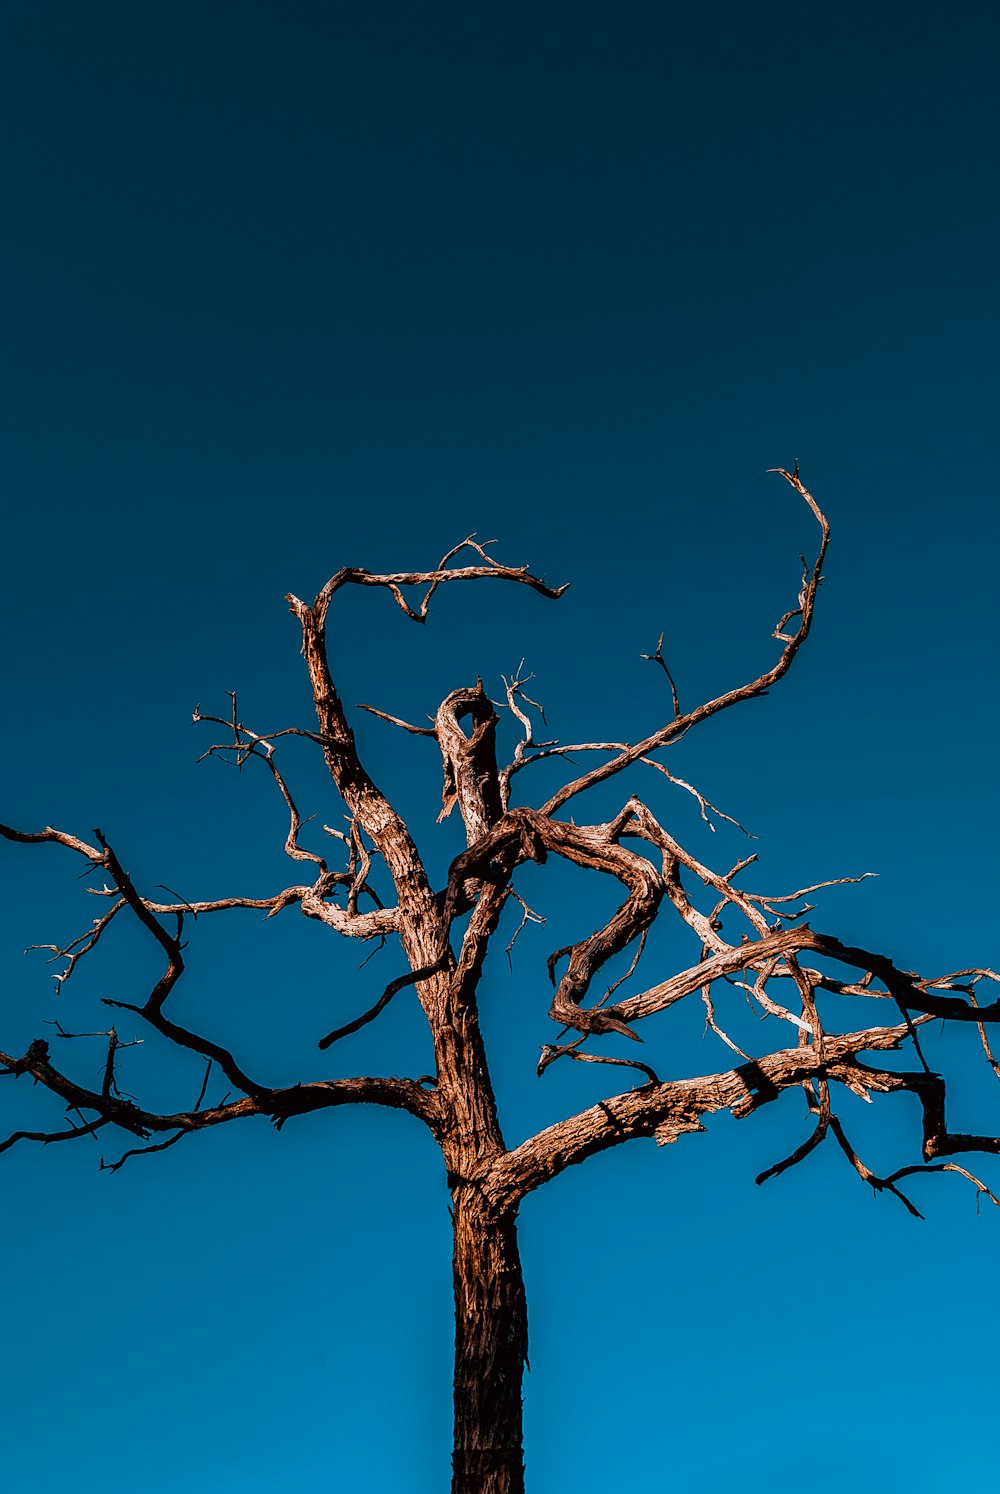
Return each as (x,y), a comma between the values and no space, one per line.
(750,943)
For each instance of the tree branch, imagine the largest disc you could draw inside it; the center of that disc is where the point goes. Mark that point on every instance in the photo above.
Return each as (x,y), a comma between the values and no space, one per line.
(668,1111)
(279,1105)
(753,688)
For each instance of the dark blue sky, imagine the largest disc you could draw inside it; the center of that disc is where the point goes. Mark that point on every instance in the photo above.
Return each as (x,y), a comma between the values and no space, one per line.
(289,289)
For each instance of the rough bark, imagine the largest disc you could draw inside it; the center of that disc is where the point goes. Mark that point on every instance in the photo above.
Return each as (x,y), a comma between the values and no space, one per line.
(491,1347)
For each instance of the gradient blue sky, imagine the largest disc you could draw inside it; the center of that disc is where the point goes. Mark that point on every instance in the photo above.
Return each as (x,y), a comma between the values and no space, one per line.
(289,288)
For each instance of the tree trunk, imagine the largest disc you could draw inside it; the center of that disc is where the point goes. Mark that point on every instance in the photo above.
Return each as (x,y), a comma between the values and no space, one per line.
(491,1348)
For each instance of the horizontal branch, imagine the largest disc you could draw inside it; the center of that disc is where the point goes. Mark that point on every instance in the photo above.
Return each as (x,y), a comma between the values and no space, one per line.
(669,1110)
(911,993)
(392,581)
(374,925)
(56,837)
(278,1104)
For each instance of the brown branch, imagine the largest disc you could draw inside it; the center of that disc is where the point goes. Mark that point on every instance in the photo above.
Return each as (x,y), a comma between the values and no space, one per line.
(864,1172)
(991,1060)
(658,658)
(392,989)
(552,749)
(471,776)
(888,1184)
(418,919)
(528,915)
(374,925)
(464,983)
(268,905)
(57,837)
(711,1025)
(922,1167)
(669,1110)
(277,1105)
(911,993)
(260,747)
(81,946)
(171,944)
(417,731)
(571,1050)
(393,581)
(766,900)
(752,955)
(514,689)
(749,691)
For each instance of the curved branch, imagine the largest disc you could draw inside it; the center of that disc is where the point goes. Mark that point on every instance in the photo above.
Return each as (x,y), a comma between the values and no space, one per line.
(278,1105)
(374,925)
(706,807)
(909,991)
(393,581)
(668,1111)
(45,1137)
(57,837)
(392,989)
(152,1009)
(261,747)
(753,688)
(471,777)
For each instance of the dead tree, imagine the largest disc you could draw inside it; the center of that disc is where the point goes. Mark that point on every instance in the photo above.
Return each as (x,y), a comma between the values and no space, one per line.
(750,943)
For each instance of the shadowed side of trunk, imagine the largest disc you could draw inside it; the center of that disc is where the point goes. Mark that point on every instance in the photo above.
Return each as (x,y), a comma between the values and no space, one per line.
(491,1345)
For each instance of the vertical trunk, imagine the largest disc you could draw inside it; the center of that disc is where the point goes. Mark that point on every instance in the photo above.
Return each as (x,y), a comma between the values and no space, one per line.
(491,1345)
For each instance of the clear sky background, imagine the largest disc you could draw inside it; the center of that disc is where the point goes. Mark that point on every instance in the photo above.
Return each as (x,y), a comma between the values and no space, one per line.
(291,287)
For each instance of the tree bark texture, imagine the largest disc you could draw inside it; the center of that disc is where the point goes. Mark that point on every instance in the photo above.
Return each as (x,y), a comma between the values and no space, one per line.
(491,1348)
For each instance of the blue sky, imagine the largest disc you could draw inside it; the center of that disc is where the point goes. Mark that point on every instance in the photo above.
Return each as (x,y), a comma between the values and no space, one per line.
(289,289)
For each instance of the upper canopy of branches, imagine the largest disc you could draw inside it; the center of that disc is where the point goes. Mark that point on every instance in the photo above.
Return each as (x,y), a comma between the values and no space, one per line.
(750,941)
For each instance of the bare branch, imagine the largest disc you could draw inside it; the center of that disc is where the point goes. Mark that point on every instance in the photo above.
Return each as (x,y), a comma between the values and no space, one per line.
(374,925)
(417,731)
(47,1136)
(658,658)
(669,1110)
(528,916)
(278,1105)
(991,1060)
(811,1142)
(57,837)
(865,1173)
(394,581)
(571,1050)
(471,776)
(79,947)
(142,1151)
(705,805)
(748,691)
(392,989)
(711,1025)
(247,744)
